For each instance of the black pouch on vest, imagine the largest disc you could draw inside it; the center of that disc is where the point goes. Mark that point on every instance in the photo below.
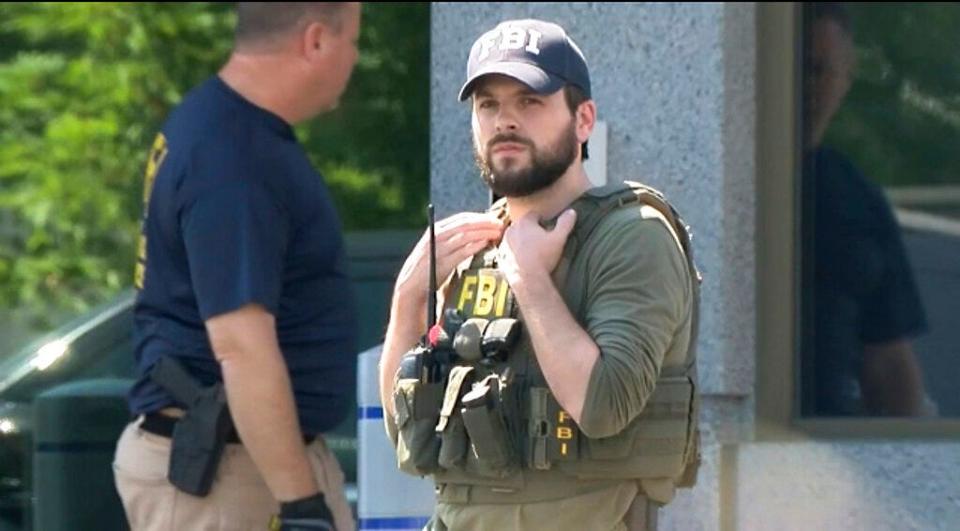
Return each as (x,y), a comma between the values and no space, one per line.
(482,414)
(453,444)
(552,435)
(453,437)
(417,406)
(499,337)
(538,429)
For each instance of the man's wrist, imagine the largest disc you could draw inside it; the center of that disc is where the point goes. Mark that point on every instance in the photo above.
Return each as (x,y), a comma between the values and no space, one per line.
(407,299)
(527,286)
(407,311)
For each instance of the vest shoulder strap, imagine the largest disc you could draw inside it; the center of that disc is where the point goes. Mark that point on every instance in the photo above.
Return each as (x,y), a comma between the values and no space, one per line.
(597,203)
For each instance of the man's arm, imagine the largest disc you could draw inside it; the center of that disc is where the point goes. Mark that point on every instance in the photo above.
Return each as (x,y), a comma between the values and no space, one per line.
(891,378)
(261,399)
(566,353)
(458,238)
(892,381)
(602,375)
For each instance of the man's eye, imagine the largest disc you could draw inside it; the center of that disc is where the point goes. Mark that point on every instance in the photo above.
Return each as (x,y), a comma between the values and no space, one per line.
(487,104)
(530,101)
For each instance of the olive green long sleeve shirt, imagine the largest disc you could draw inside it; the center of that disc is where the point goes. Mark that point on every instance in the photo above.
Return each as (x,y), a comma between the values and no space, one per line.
(636,305)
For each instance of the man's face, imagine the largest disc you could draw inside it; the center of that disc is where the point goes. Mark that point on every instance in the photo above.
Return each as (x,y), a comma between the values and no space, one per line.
(832,58)
(523,141)
(340,51)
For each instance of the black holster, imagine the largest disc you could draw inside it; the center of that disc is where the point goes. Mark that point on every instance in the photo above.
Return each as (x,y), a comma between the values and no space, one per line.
(200,435)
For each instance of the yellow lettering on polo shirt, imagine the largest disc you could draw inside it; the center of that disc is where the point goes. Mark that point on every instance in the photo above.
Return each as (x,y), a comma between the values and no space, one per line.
(138,273)
(158,152)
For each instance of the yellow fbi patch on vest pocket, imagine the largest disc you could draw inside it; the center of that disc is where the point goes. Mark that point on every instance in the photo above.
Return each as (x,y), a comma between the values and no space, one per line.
(563,443)
(484,293)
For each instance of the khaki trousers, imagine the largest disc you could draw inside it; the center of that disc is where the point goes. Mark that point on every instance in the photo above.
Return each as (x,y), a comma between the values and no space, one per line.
(239,499)
(614,509)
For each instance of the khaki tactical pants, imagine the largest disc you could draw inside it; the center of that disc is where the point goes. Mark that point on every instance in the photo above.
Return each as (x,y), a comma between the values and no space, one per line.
(239,499)
(615,509)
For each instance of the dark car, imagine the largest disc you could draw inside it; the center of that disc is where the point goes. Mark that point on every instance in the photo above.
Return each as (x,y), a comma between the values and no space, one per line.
(94,351)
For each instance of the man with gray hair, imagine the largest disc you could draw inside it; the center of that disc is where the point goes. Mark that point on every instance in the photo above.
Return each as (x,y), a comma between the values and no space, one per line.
(244,322)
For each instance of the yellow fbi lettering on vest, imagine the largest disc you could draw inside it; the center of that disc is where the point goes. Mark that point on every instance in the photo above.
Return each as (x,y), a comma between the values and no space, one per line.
(484,293)
(565,433)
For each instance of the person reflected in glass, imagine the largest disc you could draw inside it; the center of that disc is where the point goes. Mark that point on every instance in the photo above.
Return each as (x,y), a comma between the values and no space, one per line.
(867,307)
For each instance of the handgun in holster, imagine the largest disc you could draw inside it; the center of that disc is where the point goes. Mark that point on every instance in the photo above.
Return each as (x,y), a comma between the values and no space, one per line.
(200,435)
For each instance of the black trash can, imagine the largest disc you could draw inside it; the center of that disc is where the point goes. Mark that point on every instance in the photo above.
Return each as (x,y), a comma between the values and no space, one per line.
(76,427)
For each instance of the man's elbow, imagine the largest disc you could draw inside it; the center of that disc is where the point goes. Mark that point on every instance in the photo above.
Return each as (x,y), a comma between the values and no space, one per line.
(613,399)
(226,357)
(600,426)
(245,333)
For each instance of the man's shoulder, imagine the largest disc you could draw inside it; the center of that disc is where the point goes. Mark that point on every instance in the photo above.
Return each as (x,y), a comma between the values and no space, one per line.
(846,193)
(836,173)
(219,143)
(638,237)
(641,224)
(209,119)
(199,103)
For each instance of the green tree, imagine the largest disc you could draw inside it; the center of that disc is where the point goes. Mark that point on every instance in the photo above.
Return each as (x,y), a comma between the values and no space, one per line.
(83,90)
(901,120)
(374,149)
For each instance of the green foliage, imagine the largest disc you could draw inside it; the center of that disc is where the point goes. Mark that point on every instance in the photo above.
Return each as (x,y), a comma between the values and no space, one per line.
(901,119)
(83,89)
(383,117)
(85,86)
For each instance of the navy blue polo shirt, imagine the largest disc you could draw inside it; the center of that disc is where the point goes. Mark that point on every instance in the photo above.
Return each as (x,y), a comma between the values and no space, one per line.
(235,214)
(865,292)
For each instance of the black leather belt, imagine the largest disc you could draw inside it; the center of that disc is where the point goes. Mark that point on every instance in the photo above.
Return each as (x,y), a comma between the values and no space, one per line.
(162,425)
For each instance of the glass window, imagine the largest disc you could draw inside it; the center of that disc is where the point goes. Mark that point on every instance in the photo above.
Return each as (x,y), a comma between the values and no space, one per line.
(880,210)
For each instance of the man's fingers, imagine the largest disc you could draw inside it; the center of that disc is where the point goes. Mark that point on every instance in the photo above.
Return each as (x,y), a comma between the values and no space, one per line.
(456,245)
(462,247)
(465,218)
(472,231)
(565,223)
(466,237)
(460,255)
(457,238)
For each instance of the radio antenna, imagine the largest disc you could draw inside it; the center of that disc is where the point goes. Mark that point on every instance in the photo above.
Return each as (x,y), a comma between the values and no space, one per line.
(432,296)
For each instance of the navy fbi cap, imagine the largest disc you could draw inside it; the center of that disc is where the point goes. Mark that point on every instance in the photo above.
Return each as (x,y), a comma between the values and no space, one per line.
(536,53)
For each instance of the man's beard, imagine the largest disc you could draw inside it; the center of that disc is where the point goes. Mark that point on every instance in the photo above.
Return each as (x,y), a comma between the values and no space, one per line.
(546,166)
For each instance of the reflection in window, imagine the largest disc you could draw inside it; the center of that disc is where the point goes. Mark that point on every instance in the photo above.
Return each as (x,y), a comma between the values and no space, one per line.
(881,210)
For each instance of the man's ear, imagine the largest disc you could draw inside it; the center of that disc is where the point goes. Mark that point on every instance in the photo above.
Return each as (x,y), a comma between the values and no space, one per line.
(586,117)
(314,41)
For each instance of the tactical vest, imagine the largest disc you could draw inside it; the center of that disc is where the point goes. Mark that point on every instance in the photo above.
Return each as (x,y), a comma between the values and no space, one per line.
(474,409)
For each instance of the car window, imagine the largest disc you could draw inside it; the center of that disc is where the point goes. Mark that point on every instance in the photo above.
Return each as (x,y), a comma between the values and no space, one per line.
(98,344)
